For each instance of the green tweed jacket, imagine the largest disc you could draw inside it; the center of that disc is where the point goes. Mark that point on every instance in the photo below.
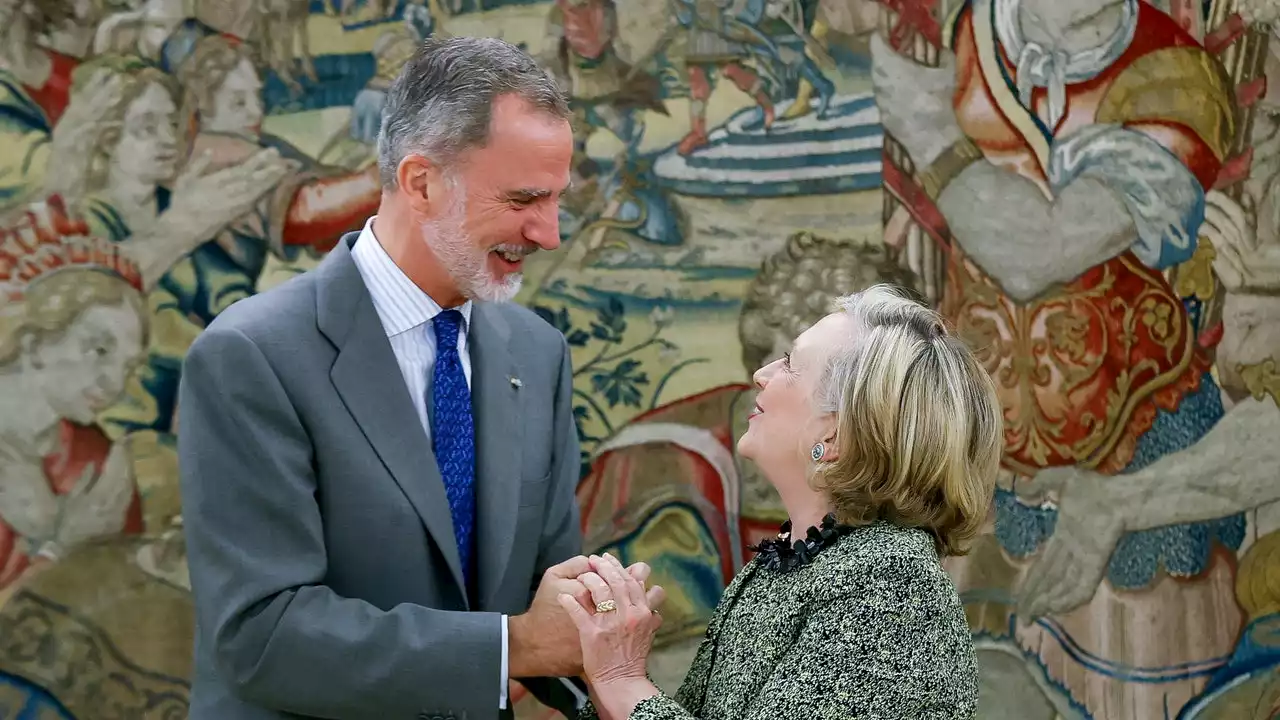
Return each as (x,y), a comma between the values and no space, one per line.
(871,628)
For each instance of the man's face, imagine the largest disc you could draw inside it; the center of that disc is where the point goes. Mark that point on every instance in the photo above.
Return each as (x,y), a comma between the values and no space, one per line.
(502,201)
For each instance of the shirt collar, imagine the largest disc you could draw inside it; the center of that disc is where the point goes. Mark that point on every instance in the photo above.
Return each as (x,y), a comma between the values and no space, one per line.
(401,305)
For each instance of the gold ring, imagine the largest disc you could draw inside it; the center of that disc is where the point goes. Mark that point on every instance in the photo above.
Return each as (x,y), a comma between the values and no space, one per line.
(606,606)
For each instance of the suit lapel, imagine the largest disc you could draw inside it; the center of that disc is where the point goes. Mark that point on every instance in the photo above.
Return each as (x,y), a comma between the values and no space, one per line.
(495,402)
(369,382)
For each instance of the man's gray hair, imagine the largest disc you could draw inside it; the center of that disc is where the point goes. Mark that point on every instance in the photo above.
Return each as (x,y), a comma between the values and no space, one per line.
(441,103)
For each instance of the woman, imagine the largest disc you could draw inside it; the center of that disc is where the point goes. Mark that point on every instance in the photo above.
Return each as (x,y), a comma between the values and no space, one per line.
(675,471)
(881,433)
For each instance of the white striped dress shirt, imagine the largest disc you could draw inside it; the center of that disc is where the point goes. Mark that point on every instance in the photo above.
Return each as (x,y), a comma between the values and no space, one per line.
(406,312)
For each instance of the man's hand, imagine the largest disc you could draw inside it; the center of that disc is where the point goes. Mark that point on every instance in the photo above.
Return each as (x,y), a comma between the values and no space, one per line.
(543,642)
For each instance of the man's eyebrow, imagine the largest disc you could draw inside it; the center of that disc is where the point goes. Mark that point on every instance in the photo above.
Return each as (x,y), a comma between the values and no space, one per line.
(528,194)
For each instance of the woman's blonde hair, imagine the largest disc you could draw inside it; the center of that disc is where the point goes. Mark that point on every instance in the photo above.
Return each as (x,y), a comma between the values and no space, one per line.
(919,428)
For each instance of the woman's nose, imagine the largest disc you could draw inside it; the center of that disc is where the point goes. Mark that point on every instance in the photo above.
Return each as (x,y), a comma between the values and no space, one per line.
(761,377)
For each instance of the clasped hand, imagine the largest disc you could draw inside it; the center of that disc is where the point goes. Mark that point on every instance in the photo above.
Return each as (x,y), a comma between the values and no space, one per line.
(616,628)
(589,616)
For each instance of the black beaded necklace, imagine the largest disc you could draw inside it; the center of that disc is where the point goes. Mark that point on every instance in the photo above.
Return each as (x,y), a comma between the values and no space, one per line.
(782,555)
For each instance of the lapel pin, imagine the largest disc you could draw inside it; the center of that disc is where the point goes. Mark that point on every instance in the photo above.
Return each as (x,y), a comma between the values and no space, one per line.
(516,383)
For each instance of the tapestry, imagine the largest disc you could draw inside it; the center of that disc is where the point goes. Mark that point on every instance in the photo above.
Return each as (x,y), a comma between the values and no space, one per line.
(1087,190)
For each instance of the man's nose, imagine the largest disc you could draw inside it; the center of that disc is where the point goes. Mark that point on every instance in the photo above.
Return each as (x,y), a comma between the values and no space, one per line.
(543,230)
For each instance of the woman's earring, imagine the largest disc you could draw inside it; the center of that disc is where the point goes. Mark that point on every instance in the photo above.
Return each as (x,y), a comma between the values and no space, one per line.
(818,451)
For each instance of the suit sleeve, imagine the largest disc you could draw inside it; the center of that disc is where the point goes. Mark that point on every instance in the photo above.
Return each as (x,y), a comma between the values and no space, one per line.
(561,530)
(280,638)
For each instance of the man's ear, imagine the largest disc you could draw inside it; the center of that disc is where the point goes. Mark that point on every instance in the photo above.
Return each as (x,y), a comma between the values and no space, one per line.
(420,183)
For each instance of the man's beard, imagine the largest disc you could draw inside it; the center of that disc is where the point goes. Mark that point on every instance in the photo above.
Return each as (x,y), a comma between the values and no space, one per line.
(465,263)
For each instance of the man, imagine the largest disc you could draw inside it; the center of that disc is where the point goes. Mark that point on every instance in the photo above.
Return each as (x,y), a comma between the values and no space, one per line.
(378,457)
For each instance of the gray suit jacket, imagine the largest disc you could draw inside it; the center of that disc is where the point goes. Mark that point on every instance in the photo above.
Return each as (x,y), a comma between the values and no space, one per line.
(325,573)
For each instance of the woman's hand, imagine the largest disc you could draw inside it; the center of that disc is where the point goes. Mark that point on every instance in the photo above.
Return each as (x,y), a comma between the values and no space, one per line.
(616,639)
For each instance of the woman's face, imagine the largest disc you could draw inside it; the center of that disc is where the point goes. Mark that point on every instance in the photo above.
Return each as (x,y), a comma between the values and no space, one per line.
(148,148)
(83,371)
(237,105)
(784,426)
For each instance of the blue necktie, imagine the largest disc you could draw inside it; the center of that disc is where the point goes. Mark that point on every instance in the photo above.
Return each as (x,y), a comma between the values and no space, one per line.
(453,432)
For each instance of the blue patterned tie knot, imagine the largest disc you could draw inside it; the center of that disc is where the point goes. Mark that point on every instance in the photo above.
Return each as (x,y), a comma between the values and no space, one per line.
(447,323)
(453,432)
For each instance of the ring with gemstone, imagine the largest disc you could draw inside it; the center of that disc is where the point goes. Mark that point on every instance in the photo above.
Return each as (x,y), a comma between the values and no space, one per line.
(606,606)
